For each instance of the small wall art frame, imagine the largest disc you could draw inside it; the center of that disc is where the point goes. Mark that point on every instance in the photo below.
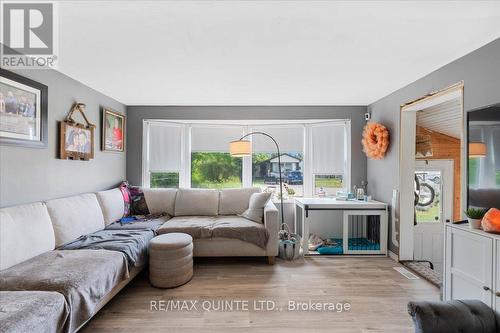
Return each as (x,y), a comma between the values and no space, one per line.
(23,111)
(76,141)
(113,131)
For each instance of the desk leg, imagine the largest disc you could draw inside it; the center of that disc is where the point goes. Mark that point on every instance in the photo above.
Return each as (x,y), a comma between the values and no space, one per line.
(345,232)
(384,221)
(305,232)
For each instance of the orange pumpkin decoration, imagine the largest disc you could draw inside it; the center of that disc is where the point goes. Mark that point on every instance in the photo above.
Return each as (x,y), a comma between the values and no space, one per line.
(375,140)
(491,221)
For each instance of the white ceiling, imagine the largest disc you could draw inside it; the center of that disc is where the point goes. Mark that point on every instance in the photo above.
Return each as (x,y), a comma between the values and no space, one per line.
(265,52)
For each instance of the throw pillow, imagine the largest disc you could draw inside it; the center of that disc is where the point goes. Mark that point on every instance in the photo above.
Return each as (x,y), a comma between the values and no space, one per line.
(127,198)
(256,204)
(138,205)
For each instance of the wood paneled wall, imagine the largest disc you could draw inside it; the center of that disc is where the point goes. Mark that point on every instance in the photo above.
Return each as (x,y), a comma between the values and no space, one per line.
(445,147)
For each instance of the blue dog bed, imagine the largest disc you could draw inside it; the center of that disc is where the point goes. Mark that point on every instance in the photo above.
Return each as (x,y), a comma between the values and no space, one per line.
(355,244)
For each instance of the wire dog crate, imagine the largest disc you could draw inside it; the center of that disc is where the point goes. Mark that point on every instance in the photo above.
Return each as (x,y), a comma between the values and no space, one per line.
(364,232)
(364,236)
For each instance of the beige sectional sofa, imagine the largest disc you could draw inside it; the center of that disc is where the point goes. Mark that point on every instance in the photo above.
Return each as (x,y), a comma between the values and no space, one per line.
(35,272)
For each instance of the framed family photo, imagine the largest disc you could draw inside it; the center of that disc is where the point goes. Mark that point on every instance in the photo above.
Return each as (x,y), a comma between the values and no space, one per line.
(113,131)
(23,111)
(77,141)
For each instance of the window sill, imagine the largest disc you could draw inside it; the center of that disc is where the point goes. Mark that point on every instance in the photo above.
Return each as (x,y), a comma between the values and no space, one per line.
(285,201)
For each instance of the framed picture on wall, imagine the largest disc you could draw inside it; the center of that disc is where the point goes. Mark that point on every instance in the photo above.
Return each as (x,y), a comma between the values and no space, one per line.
(23,111)
(76,141)
(113,131)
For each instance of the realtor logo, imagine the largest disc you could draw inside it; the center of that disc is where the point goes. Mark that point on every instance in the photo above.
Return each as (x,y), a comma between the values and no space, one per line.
(28,35)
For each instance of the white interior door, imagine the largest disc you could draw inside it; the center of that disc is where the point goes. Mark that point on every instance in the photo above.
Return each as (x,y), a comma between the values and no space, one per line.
(435,206)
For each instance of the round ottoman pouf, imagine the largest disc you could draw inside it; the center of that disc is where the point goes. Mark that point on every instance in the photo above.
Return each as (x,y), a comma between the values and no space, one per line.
(170,260)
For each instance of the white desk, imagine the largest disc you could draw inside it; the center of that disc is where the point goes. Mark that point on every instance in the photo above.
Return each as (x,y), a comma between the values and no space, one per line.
(303,207)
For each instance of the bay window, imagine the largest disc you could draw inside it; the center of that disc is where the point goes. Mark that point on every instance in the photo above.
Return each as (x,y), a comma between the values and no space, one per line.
(315,155)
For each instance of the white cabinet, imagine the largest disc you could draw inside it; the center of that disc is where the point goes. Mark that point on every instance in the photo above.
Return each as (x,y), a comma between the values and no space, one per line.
(472,269)
(497,274)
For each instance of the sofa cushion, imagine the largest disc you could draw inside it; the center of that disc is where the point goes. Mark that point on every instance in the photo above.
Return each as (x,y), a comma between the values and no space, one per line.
(83,277)
(26,231)
(234,201)
(75,216)
(255,211)
(229,226)
(201,202)
(160,200)
(32,311)
(196,226)
(112,205)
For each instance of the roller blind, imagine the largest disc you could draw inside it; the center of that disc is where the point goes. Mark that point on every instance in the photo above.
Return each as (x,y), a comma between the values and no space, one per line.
(165,147)
(214,138)
(289,139)
(328,148)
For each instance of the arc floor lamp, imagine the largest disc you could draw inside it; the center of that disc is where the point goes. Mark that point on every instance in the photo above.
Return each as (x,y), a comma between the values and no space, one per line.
(243,148)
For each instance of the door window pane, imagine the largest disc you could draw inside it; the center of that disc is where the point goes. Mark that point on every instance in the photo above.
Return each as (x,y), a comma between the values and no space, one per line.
(215,170)
(164,180)
(428,193)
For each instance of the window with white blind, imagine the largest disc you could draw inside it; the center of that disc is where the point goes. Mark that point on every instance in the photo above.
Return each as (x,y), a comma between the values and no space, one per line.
(329,158)
(265,170)
(163,154)
(315,155)
(211,164)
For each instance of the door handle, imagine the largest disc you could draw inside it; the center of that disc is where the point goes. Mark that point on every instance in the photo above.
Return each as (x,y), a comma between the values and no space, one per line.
(486,288)
(497,294)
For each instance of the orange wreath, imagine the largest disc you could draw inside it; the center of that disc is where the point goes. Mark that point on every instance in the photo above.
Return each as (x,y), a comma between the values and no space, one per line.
(375,140)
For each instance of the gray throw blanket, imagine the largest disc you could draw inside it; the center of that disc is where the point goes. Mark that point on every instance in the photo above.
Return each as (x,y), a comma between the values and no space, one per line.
(132,243)
(83,277)
(151,224)
(32,311)
(218,226)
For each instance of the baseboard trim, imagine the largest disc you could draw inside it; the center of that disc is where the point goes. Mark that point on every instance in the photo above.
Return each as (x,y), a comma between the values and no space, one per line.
(393,256)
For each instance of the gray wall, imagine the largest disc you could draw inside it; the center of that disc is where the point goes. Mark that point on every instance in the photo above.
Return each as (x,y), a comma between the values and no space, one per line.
(28,174)
(480,71)
(136,115)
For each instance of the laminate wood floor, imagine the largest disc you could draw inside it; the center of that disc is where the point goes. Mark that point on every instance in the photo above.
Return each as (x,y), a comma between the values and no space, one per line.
(377,295)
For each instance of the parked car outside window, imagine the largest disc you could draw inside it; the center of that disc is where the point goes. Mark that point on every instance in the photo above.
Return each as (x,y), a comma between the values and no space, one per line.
(295,177)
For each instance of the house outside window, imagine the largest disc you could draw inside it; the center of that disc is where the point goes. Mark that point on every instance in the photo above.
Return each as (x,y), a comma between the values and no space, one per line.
(266,172)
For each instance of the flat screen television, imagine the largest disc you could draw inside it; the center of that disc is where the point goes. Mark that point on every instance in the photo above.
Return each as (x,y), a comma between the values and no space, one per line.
(483,151)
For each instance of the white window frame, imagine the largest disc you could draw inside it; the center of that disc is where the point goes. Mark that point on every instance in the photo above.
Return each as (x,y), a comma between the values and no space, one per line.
(246,125)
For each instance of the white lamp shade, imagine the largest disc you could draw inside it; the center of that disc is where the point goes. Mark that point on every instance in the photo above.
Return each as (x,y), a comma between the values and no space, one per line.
(240,148)
(477,149)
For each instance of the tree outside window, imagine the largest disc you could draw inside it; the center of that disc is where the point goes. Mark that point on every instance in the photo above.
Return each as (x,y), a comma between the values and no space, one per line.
(164,179)
(215,170)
